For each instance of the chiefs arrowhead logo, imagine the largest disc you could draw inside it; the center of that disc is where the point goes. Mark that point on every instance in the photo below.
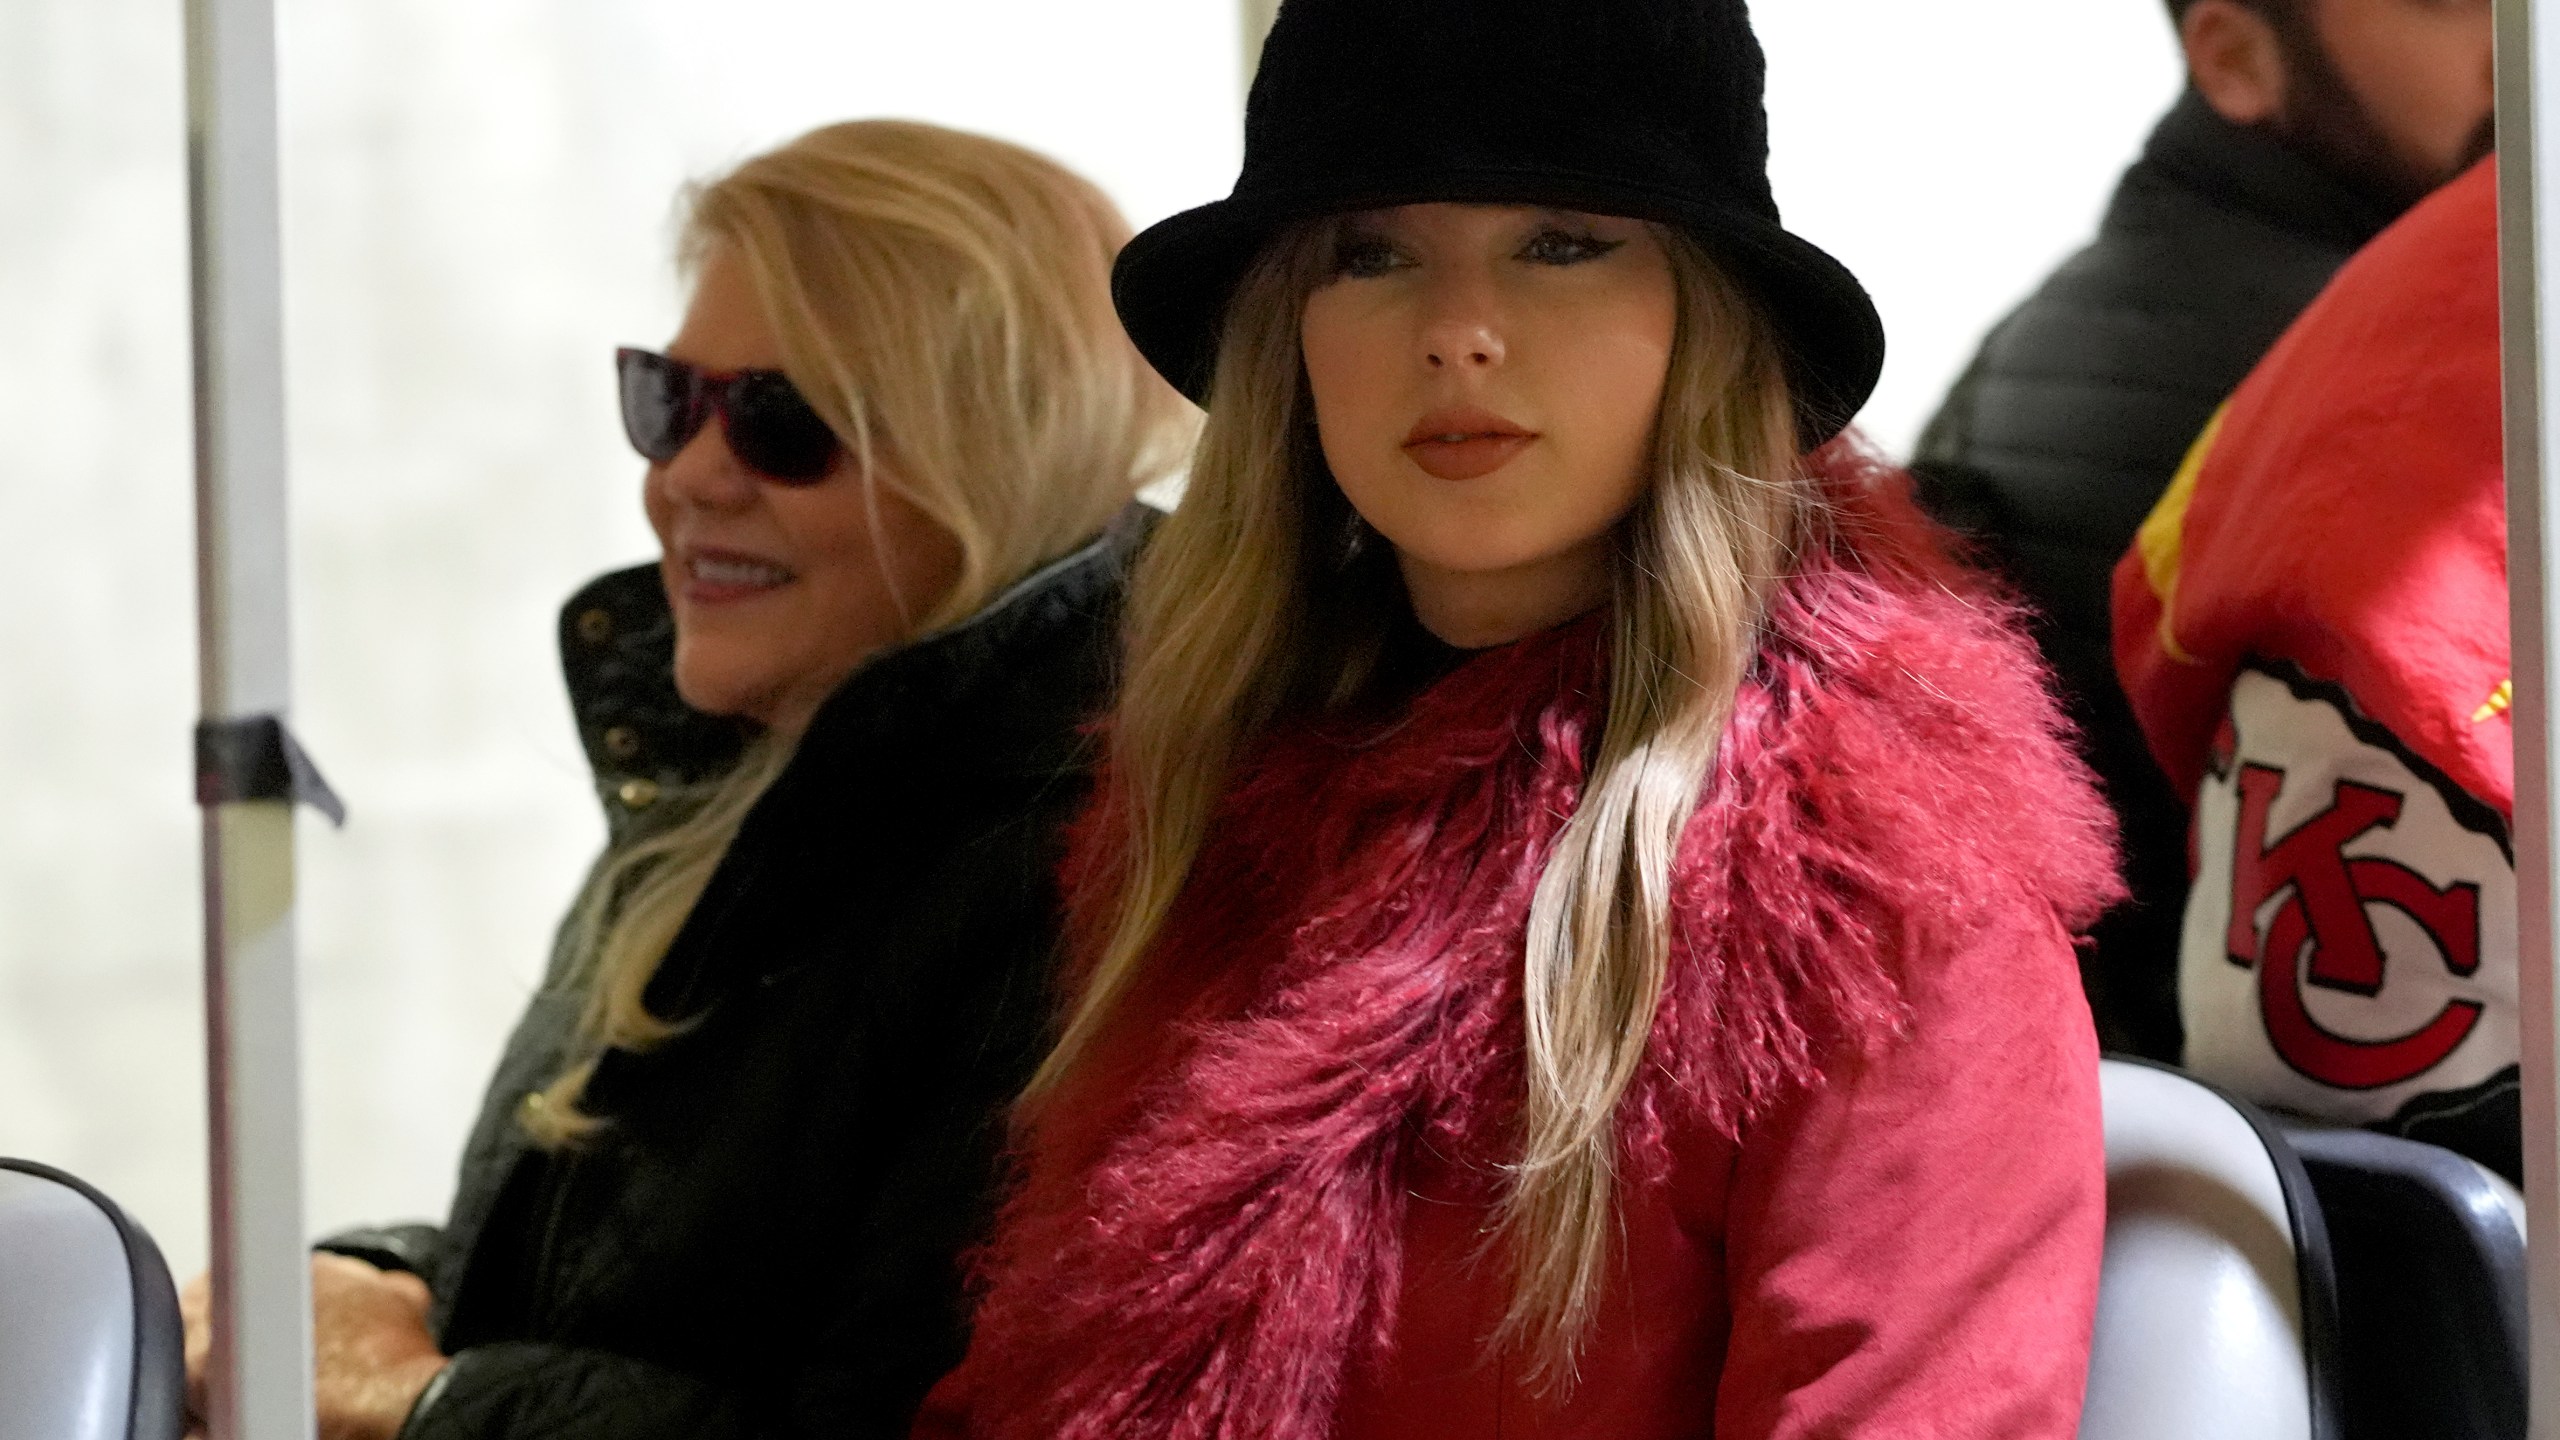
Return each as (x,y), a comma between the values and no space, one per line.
(2325,897)
(2352,929)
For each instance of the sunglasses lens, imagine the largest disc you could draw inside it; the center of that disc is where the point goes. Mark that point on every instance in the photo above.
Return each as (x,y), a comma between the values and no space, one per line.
(658,410)
(773,430)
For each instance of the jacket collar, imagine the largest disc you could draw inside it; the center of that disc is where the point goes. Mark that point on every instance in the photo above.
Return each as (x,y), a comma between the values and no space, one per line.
(617,651)
(2257,173)
(908,749)
(931,681)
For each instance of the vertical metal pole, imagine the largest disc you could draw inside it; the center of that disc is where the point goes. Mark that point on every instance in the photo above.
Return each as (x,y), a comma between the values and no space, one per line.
(261,1369)
(2529,251)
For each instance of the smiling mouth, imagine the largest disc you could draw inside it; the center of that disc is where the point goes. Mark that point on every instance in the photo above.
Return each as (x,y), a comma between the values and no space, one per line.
(712,577)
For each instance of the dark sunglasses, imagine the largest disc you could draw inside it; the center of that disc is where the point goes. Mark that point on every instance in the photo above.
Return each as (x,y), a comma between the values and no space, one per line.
(771,429)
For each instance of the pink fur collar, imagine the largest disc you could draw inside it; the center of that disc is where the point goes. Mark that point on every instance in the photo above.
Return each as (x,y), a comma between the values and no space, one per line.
(1208,1238)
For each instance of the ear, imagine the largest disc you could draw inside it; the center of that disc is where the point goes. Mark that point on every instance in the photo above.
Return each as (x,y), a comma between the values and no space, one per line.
(2235,60)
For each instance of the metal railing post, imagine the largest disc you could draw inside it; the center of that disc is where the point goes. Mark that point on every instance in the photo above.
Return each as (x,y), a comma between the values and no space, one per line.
(260,1386)
(2528,104)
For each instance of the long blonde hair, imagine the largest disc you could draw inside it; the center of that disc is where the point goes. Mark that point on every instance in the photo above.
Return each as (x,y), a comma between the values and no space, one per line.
(1243,612)
(943,300)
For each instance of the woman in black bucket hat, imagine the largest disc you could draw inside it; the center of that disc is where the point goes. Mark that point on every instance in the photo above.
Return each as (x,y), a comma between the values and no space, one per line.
(1573,935)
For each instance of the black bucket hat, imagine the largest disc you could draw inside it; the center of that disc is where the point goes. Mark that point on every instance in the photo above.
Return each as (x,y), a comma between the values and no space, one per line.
(1644,108)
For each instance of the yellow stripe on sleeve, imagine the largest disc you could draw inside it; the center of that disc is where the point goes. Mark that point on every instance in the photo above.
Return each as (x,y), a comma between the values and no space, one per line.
(2161,540)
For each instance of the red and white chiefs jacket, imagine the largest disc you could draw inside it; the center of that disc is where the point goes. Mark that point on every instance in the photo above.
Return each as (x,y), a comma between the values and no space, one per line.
(2312,628)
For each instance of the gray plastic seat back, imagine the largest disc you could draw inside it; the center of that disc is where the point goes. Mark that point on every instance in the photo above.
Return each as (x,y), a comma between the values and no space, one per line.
(90,1345)
(2216,1313)
(2430,1254)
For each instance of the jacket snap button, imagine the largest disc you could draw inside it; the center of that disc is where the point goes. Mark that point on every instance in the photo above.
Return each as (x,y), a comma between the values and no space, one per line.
(638,794)
(532,1107)
(622,742)
(595,626)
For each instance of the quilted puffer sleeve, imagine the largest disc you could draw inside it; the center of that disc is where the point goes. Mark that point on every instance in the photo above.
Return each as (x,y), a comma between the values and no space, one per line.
(417,1248)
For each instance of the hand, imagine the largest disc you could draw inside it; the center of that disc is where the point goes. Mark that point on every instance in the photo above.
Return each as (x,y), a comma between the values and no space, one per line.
(371,1351)
(195,1313)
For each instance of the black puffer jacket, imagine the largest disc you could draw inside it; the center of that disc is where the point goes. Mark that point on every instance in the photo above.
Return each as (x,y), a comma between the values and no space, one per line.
(762,1242)
(2070,422)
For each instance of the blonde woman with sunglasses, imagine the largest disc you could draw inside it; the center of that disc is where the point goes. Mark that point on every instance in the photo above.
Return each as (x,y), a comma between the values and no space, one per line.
(736,1143)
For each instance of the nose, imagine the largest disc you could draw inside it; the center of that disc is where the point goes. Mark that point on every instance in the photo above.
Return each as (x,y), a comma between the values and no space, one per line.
(707,474)
(1468,346)
(1462,328)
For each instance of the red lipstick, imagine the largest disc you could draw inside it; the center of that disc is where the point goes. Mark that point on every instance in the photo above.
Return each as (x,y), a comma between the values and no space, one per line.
(1465,444)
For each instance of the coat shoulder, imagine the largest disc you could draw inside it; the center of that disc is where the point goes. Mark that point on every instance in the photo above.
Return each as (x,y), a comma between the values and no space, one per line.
(1899,711)
(1897,780)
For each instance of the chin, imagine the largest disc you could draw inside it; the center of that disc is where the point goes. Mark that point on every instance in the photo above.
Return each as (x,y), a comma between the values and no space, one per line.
(714,689)
(1494,523)
(1467,545)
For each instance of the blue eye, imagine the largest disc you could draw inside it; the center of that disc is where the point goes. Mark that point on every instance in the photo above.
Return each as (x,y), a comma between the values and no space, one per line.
(1558,246)
(1363,257)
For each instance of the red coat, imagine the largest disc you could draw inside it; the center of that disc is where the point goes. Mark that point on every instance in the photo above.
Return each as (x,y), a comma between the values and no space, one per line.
(1861,1181)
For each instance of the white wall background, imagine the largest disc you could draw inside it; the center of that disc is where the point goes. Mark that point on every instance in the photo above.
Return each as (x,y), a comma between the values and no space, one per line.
(477,196)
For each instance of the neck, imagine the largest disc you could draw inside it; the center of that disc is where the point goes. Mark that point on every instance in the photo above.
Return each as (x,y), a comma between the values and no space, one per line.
(786,712)
(1479,609)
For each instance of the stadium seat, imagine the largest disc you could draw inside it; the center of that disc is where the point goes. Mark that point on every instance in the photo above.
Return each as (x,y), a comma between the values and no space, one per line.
(90,1345)
(2217,1314)
(2429,1252)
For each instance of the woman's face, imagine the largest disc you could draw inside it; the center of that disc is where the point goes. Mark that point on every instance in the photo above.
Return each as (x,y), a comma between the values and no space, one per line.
(1486,382)
(779,591)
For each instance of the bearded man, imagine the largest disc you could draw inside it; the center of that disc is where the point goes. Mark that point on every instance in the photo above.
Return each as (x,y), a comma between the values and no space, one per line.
(2306,128)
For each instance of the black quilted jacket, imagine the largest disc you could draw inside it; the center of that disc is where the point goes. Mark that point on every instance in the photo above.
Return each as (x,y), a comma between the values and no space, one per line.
(763,1241)
(2070,422)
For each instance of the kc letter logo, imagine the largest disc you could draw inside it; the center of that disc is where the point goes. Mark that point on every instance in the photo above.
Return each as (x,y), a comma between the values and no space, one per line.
(2324,917)
(2350,941)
